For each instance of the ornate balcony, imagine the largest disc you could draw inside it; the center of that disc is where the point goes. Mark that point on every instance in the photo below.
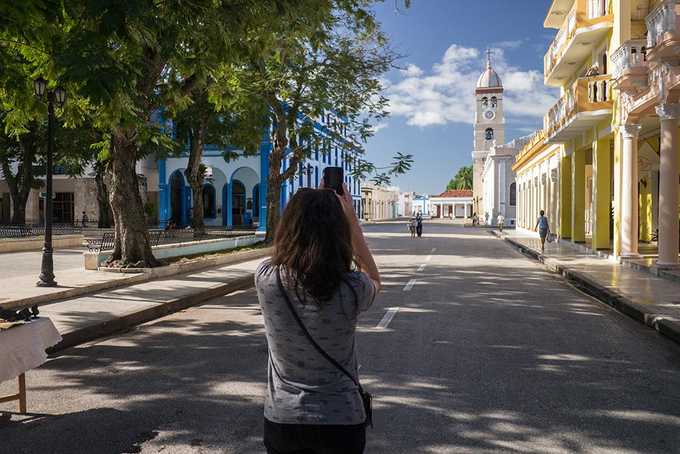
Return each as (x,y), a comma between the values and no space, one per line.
(630,67)
(584,27)
(587,102)
(663,27)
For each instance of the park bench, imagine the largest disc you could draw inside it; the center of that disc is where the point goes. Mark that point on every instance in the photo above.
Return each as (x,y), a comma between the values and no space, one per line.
(101,244)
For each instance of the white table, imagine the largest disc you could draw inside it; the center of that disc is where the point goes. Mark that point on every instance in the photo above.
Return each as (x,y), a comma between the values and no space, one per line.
(23,348)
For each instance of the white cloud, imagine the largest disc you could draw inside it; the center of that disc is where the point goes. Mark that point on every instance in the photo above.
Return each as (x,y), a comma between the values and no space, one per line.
(446,93)
(412,71)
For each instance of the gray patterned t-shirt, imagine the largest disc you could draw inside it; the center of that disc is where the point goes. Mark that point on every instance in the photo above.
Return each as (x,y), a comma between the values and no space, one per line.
(304,387)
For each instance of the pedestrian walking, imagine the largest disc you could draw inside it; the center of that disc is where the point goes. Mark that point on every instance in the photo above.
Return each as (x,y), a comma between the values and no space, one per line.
(85,219)
(419,225)
(543,227)
(500,221)
(412,227)
(311,298)
(475,219)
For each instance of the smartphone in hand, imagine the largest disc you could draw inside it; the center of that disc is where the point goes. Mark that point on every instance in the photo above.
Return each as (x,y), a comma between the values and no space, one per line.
(333,177)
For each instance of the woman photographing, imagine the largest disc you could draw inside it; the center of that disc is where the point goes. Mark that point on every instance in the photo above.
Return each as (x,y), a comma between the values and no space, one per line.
(320,277)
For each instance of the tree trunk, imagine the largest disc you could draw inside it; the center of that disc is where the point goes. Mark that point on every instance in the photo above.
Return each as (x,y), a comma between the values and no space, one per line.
(274,191)
(132,247)
(195,177)
(18,209)
(104,207)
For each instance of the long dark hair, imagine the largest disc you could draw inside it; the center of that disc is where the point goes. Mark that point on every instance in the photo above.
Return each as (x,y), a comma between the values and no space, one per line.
(313,243)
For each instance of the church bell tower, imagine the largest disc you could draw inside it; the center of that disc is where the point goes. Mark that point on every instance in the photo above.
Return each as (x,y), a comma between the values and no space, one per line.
(489,127)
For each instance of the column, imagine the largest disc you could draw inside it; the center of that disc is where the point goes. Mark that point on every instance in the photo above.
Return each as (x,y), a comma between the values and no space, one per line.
(164,195)
(578,197)
(601,193)
(229,207)
(668,184)
(565,199)
(629,190)
(265,149)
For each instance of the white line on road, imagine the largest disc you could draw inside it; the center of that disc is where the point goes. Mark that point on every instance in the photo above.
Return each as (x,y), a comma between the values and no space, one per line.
(421,267)
(409,285)
(429,257)
(387,318)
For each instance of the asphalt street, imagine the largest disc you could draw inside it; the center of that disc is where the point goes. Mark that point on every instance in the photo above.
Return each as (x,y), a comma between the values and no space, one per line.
(471,347)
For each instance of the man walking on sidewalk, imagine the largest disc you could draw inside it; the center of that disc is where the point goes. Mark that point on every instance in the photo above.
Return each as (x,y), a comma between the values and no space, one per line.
(543,228)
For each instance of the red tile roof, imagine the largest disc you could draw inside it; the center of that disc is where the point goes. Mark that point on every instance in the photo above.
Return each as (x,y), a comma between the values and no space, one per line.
(456,193)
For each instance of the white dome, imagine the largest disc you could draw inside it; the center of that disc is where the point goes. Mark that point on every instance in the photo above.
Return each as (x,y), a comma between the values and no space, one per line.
(489,79)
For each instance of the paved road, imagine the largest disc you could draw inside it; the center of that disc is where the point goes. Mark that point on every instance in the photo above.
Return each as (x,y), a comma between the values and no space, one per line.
(486,353)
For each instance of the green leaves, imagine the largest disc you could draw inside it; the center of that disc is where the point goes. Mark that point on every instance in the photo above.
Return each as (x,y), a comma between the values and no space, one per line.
(462,180)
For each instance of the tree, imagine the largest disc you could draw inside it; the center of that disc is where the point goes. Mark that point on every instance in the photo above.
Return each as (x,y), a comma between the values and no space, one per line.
(125,60)
(462,180)
(333,66)
(222,115)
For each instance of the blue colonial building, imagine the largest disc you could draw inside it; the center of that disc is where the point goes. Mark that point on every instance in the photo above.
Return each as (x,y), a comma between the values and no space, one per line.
(235,191)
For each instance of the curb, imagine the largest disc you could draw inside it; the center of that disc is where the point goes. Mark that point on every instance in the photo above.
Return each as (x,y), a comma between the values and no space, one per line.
(132,319)
(663,325)
(146,275)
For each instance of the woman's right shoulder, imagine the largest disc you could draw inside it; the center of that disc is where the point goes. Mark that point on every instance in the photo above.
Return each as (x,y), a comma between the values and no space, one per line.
(265,271)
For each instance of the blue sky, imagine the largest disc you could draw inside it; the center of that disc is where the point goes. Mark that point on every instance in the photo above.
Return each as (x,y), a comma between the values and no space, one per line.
(443,43)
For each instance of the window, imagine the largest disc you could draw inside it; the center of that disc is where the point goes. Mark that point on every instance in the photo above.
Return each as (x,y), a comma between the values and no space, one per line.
(513,194)
(485,101)
(494,102)
(488,134)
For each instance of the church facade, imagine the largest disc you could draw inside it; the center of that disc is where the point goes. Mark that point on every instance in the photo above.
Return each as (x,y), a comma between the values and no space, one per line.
(493,182)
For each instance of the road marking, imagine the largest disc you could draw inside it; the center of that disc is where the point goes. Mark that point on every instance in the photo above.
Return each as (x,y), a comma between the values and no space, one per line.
(409,285)
(387,318)
(429,257)
(421,267)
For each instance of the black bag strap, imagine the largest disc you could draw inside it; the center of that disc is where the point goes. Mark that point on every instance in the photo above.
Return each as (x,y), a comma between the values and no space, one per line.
(309,336)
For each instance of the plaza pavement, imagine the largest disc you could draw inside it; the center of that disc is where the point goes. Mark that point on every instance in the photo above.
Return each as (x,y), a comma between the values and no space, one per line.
(19,272)
(470,348)
(652,300)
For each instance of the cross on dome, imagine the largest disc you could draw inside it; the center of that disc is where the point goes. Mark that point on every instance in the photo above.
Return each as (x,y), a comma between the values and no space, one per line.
(489,78)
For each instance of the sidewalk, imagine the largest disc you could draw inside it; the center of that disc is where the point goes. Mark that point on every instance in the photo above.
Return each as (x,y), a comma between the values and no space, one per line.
(19,272)
(101,314)
(652,300)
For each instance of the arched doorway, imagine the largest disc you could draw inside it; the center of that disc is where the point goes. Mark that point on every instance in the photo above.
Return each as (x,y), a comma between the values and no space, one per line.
(209,201)
(177,197)
(238,203)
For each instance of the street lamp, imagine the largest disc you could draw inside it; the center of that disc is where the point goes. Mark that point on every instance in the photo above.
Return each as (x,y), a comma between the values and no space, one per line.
(58,96)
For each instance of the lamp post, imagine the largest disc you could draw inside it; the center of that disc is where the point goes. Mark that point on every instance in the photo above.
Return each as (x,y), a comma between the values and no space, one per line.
(58,96)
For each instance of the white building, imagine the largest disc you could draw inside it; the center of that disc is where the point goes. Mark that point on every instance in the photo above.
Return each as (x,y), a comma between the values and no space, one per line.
(406,204)
(452,204)
(379,203)
(498,183)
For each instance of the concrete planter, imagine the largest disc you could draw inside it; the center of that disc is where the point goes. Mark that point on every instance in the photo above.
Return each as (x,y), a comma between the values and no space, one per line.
(93,260)
(36,243)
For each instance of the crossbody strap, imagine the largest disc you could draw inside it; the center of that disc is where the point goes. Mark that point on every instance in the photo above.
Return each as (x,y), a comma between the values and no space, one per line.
(318,348)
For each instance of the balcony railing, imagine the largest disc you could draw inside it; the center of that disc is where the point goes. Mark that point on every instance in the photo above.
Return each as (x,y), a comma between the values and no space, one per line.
(662,20)
(558,44)
(630,57)
(587,94)
(592,12)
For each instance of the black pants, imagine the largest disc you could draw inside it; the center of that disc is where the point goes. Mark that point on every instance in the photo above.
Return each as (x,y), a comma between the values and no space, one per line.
(313,439)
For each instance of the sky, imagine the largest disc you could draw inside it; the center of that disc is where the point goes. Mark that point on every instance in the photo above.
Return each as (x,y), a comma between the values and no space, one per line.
(443,45)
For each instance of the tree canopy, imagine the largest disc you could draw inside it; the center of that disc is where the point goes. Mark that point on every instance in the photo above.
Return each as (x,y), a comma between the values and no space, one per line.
(462,179)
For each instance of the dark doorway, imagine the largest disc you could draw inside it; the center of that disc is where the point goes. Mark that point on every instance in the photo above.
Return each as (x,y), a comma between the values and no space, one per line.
(62,208)
(176,198)
(238,202)
(256,202)
(209,202)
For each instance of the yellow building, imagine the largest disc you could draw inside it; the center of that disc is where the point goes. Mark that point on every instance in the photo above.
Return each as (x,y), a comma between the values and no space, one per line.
(600,154)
